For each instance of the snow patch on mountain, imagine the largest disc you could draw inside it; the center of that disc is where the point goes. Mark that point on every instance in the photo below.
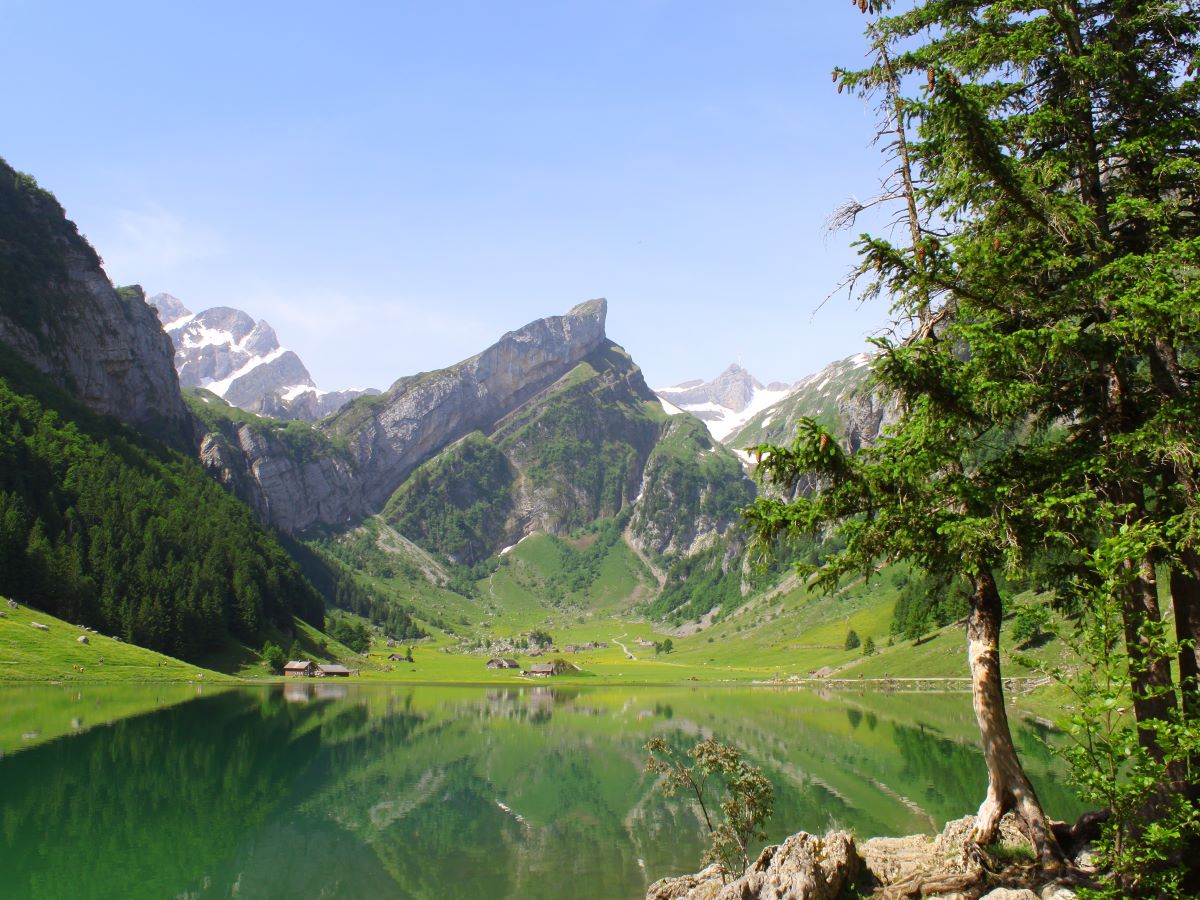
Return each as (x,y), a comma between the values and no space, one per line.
(227,352)
(221,388)
(724,404)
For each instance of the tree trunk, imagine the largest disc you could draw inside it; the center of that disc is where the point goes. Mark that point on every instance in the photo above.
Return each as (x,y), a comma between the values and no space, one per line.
(1008,786)
(1185,599)
(1149,670)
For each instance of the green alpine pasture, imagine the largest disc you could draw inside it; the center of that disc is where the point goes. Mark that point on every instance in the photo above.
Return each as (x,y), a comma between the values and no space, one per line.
(31,654)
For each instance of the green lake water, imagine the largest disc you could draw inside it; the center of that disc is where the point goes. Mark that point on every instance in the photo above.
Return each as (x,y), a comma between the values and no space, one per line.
(325,790)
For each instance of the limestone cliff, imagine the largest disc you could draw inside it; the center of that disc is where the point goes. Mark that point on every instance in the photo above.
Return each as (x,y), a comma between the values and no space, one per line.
(287,481)
(368,448)
(60,313)
(569,455)
(390,434)
(691,491)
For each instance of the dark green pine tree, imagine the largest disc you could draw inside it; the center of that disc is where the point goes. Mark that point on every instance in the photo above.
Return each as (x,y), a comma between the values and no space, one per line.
(1044,354)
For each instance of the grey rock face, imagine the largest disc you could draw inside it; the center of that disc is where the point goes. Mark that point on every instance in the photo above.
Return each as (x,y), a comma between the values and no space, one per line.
(289,491)
(389,435)
(282,371)
(864,415)
(676,515)
(386,436)
(169,308)
(804,867)
(64,318)
(733,389)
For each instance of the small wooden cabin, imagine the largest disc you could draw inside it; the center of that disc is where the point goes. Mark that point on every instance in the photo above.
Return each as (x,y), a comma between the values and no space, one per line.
(300,668)
(332,670)
(542,670)
(503,664)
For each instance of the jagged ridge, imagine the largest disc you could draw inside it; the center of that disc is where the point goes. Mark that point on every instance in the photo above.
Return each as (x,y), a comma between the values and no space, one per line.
(226,352)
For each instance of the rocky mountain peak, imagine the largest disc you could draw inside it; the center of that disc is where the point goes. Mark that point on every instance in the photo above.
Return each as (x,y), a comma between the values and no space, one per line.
(734,389)
(168,307)
(590,309)
(576,333)
(726,402)
(226,351)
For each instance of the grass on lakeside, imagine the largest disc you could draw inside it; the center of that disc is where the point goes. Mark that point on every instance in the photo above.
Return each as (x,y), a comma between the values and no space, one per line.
(773,637)
(35,714)
(30,654)
(787,632)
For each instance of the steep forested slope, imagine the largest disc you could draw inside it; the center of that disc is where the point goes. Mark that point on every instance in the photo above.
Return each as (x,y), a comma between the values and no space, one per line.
(103,527)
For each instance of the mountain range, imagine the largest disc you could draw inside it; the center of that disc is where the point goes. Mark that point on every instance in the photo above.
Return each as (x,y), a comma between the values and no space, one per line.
(725,403)
(226,352)
(552,430)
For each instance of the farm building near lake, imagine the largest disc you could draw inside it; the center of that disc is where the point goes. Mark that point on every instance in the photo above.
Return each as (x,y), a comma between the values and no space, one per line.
(303,668)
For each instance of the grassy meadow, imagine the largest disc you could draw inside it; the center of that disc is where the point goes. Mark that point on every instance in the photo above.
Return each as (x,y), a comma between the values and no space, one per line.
(31,654)
(575,594)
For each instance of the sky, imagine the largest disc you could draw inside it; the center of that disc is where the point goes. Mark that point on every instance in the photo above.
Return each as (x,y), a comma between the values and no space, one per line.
(394,185)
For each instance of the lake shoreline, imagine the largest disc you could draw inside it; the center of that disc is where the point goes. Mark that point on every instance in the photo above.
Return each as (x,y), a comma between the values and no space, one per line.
(943,864)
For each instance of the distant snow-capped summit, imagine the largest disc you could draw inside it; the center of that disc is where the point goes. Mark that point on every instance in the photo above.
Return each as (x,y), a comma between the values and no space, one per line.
(725,403)
(225,351)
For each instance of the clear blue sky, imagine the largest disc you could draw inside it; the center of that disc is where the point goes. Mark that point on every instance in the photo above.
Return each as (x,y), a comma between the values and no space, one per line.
(394,185)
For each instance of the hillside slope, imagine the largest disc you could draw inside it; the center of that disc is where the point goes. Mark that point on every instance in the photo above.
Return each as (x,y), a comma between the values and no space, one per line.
(112,530)
(28,653)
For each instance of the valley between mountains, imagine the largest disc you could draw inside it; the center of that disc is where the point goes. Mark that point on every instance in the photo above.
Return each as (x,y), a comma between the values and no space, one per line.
(176,480)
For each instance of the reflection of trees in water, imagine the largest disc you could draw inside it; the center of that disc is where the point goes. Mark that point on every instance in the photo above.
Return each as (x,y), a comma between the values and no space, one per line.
(938,773)
(803,800)
(143,807)
(367,796)
(941,772)
(507,818)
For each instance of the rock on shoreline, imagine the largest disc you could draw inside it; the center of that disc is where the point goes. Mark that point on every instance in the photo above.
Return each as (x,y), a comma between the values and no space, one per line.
(808,867)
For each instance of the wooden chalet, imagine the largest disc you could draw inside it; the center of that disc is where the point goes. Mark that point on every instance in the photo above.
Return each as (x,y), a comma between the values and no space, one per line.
(546,670)
(503,664)
(300,668)
(332,670)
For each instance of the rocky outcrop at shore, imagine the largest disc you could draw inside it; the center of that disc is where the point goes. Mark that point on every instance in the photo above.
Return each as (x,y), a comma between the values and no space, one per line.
(803,866)
(807,867)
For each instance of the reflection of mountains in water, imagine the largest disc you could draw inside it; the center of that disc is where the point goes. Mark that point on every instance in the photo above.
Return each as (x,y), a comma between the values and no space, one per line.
(303,692)
(430,792)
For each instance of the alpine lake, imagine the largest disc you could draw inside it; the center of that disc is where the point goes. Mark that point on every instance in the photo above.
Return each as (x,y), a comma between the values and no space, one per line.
(320,789)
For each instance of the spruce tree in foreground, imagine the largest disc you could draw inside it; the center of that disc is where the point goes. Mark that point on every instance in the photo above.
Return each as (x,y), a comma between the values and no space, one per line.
(1046,296)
